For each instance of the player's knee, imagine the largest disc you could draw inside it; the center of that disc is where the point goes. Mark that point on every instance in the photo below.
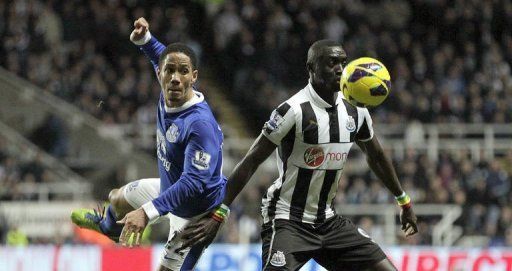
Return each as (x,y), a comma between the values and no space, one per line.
(117,200)
(114,197)
(119,203)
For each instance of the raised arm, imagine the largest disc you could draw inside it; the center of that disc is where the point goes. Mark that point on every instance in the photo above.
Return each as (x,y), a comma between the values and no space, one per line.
(141,37)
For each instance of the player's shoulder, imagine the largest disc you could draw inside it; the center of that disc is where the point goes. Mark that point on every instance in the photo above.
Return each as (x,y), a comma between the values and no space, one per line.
(299,97)
(292,104)
(200,115)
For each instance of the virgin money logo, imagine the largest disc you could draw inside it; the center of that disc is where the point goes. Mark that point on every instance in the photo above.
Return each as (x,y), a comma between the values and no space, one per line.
(314,156)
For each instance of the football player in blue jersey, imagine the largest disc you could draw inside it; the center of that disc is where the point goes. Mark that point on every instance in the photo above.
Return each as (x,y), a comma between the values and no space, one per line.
(189,142)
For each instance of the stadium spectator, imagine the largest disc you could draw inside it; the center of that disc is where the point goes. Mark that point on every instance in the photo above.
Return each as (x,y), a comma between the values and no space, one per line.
(3,229)
(51,136)
(15,237)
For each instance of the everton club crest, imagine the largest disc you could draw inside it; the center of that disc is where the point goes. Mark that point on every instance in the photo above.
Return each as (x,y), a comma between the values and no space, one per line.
(172,133)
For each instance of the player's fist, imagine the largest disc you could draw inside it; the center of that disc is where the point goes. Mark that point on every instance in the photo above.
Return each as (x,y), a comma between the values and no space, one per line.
(141,27)
(409,221)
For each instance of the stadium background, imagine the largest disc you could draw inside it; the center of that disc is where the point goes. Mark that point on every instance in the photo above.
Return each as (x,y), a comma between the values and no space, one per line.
(77,107)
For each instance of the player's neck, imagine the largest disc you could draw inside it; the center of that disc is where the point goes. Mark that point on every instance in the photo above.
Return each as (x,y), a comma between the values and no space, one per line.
(325,93)
(175,104)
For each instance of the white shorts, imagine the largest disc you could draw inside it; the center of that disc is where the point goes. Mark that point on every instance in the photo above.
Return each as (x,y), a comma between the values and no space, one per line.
(142,191)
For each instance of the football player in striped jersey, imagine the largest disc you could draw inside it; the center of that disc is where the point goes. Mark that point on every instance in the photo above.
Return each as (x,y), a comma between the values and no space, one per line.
(313,132)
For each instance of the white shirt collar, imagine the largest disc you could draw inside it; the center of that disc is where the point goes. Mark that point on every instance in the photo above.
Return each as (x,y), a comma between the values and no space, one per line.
(315,98)
(198,97)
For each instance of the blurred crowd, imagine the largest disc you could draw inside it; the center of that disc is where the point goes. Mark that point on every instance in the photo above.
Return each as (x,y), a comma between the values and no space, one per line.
(449,62)
(80,51)
(20,172)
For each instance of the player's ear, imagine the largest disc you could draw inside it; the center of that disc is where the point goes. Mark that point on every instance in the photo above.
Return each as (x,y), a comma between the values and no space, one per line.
(160,75)
(311,69)
(195,73)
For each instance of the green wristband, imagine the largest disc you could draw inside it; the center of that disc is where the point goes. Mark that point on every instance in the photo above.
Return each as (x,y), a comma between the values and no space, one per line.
(403,199)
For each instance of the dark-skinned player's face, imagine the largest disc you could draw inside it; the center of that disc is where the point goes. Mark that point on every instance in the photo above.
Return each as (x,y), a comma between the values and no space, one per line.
(329,66)
(176,78)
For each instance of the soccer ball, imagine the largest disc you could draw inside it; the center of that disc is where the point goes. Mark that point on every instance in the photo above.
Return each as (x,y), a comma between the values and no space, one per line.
(365,82)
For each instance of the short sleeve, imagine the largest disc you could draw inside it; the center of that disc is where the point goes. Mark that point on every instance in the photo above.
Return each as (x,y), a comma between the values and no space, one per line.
(365,132)
(281,121)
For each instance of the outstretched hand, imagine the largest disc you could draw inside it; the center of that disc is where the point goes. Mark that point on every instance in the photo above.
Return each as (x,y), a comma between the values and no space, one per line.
(141,26)
(408,220)
(200,232)
(134,224)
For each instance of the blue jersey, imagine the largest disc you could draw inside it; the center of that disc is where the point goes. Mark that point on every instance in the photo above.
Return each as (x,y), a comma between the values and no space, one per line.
(189,151)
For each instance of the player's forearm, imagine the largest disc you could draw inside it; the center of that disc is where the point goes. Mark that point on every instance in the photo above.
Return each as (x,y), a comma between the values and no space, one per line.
(151,47)
(179,195)
(258,152)
(383,168)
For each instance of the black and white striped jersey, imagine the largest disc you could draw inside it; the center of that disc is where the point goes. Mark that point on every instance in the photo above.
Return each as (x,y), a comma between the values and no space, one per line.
(314,139)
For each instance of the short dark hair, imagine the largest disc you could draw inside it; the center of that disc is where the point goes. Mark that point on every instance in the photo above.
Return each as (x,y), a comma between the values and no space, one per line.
(179,47)
(317,47)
